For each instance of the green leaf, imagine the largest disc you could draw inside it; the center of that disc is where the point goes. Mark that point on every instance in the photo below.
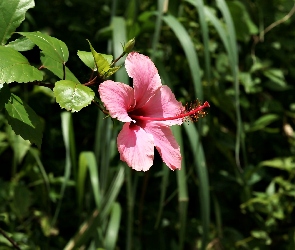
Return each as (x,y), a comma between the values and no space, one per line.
(102,64)
(277,80)
(72,96)
(244,27)
(50,46)
(112,71)
(87,59)
(23,120)
(19,146)
(12,13)
(109,58)
(21,44)
(286,164)
(57,68)
(4,95)
(263,121)
(14,67)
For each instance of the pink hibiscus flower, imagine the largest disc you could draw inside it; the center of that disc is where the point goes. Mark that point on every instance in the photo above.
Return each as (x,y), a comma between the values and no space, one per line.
(148,109)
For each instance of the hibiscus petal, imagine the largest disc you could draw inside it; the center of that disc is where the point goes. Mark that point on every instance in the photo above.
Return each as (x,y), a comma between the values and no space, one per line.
(118,99)
(136,147)
(163,104)
(165,143)
(146,79)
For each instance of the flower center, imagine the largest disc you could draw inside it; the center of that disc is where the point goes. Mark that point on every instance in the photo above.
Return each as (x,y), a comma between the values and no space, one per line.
(191,112)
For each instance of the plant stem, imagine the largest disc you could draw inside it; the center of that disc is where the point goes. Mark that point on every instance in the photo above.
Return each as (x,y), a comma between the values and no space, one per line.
(9,239)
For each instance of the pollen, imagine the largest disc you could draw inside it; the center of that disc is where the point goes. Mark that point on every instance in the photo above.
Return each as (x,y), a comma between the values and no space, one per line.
(189,110)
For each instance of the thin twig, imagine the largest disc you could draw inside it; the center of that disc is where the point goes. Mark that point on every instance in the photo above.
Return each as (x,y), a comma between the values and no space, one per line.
(113,63)
(10,239)
(276,23)
(104,111)
(48,85)
(64,70)
(260,38)
(91,82)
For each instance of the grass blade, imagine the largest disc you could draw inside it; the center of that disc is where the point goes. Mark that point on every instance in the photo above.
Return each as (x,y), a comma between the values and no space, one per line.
(43,173)
(88,159)
(90,227)
(164,184)
(68,135)
(113,227)
(158,26)
(235,71)
(80,182)
(199,5)
(119,38)
(189,51)
(182,189)
(204,195)
(130,209)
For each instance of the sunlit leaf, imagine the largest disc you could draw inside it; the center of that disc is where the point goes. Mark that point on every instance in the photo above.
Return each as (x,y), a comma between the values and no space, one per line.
(12,13)
(102,64)
(87,59)
(72,96)
(14,67)
(23,120)
(21,44)
(50,46)
(112,71)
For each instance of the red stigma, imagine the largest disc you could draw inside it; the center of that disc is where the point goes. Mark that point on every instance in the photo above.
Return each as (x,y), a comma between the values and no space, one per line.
(193,111)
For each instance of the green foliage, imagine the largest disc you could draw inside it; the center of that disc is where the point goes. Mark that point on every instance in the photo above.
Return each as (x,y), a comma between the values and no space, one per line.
(23,120)
(72,96)
(236,187)
(103,64)
(14,67)
(12,14)
(50,46)
(87,58)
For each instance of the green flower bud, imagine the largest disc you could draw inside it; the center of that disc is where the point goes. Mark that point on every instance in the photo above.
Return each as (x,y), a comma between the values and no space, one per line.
(129,45)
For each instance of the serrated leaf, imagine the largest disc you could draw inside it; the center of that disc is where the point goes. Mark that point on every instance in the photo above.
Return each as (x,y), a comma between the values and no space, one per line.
(21,44)
(101,62)
(4,95)
(87,59)
(112,71)
(109,58)
(50,46)
(14,67)
(57,68)
(72,96)
(12,13)
(23,120)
